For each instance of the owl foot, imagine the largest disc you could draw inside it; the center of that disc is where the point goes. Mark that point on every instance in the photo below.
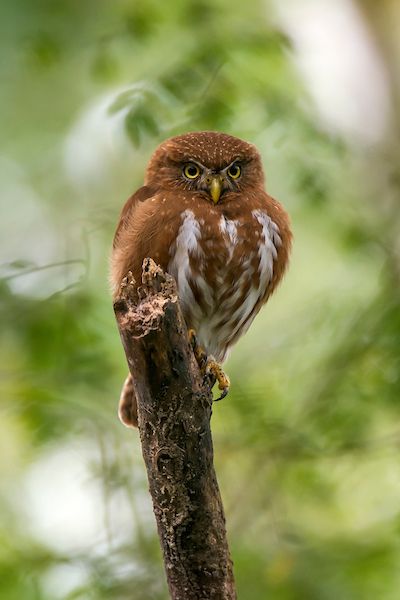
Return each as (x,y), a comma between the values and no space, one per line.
(209,366)
(198,351)
(214,368)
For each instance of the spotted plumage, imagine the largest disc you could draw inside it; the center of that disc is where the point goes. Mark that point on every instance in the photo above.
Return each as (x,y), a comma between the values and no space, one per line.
(204,216)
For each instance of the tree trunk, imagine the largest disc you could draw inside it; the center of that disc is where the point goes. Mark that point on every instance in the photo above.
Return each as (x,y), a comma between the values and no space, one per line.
(174,411)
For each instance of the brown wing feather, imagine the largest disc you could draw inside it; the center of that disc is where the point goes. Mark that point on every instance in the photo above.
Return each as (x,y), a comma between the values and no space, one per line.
(140,195)
(123,244)
(279,215)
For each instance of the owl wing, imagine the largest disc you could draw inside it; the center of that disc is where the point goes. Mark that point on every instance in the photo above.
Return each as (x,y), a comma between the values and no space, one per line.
(141,195)
(125,252)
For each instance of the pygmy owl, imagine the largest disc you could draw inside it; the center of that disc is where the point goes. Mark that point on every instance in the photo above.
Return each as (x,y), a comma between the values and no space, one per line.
(203,215)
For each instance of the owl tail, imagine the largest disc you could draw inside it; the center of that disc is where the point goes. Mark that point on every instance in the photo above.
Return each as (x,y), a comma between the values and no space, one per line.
(127,410)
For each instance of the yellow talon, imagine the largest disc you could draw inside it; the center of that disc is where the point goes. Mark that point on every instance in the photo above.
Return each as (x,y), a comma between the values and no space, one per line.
(209,366)
(222,378)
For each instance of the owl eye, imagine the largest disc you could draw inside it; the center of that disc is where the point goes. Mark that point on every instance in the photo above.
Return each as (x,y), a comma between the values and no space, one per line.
(234,171)
(191,171)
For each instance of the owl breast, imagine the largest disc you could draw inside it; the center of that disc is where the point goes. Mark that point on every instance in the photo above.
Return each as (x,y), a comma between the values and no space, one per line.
(223,268)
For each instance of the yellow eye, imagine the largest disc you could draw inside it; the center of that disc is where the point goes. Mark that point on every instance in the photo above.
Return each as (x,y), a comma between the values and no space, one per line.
(191,171)
(234,171)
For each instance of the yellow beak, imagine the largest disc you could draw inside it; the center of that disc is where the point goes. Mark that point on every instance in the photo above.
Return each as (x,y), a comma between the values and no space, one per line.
(215,188)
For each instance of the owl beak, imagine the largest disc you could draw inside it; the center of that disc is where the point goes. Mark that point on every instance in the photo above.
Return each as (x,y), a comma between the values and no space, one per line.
(215,187)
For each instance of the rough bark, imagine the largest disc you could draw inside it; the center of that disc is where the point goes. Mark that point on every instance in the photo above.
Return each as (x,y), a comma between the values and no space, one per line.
(174,410)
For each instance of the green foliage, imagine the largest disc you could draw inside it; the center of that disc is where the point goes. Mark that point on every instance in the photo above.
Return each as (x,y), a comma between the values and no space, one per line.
(306,442)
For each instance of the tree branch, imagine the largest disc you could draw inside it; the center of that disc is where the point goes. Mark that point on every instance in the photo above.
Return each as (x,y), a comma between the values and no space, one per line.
(174,411)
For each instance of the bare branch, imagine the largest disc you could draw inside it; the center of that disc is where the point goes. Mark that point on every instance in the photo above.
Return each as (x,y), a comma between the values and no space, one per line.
(174,410)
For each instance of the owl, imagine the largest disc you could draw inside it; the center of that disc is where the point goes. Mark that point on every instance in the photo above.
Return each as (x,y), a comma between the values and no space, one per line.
(204,216)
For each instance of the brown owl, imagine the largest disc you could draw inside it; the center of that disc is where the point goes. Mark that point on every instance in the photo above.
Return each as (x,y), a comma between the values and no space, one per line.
(203,215)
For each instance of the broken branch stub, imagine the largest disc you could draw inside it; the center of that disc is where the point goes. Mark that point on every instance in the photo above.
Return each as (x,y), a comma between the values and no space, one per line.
(174,411)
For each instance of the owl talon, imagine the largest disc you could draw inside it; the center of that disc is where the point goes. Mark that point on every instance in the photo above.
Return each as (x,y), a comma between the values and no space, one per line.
(209,366)
(224,393)
(214,368)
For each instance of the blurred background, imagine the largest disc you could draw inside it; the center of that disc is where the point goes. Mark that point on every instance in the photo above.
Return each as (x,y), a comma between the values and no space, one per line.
(307,443)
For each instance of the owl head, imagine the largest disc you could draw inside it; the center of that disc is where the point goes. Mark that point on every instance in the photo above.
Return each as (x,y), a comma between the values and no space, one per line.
(214,164)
